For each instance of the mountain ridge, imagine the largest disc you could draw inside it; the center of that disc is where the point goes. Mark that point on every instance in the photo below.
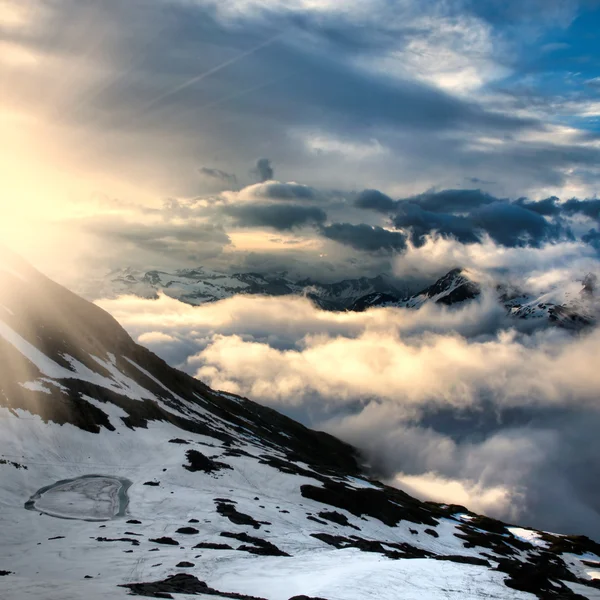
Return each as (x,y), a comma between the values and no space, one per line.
(575,307)
(199,286)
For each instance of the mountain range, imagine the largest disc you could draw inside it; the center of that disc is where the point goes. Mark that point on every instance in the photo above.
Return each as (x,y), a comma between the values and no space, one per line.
(123,476)
(200,286)
(573,306)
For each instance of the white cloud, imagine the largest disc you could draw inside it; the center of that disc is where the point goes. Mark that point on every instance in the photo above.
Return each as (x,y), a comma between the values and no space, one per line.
(155,337)
(430,486)
(322,143)
(537,267)
(456,53)
(423,393)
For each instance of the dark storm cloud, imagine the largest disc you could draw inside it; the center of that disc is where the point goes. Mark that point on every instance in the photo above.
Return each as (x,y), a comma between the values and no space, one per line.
(375,200)
(468,214)
(512,225)
(588,208)
(548,207)
(275,190)
(365,237)
(592,237)
(277,216)
(444,201)
(264,170)
(478,181)
(228,178)
(451,201)
(506,223)
(422,222)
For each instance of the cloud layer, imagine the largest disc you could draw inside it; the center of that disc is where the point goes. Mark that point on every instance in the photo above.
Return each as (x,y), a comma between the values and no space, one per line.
(453,403)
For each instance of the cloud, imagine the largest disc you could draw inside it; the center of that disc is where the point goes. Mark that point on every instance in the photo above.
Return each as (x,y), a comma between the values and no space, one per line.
(549,264)
(365,237)
(592,237)
(589,208)
(276,190)
(264,169)
(228,178)
(457,404)
(278,216)
(331,88)
(149,241)
(467,214)
(548,207)
(430,486)
(451,201)
(439,400)
(375,200)
(594,82)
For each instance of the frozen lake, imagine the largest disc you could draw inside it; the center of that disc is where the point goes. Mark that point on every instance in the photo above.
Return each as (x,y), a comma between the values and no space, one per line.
(88,498)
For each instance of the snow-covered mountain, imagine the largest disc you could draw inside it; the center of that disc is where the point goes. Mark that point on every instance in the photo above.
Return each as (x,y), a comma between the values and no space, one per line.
(122,476)
(574,305)
(200,285)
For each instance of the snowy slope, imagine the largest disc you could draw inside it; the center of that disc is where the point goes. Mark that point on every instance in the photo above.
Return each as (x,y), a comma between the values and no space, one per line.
(169,489)
(574,305)
(201,285)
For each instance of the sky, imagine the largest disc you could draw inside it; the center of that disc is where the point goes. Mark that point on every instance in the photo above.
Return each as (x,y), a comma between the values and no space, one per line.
(332,140)
(135,131)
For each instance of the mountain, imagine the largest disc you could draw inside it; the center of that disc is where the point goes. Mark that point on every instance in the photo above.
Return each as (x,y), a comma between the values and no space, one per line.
(200,285)
(122,476)
(571,306)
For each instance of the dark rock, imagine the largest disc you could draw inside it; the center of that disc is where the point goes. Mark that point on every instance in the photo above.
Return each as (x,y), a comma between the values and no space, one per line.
(131,541)
(182,583)
(239,518)
(178,441)
(311,518)
(164,540)
(541,578)
(198,462)
(152,483)
(465,560)
(338,518)
(130,522)
(397,551)
(212,546)
(185,565)
(187,530)
(388,505)
(259,546)
(432,533)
